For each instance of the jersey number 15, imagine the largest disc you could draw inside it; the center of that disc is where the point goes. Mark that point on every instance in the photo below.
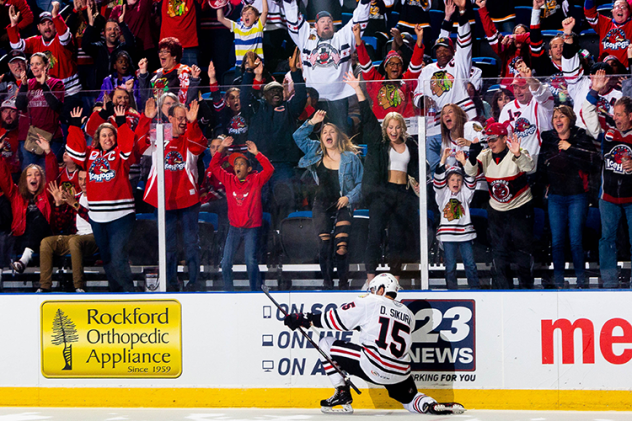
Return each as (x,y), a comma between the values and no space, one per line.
(395,339)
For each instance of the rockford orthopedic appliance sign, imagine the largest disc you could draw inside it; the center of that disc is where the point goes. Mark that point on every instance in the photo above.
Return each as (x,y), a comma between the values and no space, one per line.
(111,338)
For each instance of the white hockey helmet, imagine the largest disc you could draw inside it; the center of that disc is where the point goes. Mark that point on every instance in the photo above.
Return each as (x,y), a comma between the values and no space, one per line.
(386,280)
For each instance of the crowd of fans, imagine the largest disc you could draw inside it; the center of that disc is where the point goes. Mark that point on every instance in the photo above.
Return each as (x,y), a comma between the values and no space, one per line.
(278,106)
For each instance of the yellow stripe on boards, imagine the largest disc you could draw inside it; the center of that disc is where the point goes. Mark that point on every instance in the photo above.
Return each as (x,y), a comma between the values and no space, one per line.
(569,400)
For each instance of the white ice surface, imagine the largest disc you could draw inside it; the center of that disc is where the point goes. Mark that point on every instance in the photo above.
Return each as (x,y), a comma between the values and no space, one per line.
(254,414)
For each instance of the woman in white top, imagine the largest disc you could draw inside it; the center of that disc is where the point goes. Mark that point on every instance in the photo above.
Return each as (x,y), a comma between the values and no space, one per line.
(392,160)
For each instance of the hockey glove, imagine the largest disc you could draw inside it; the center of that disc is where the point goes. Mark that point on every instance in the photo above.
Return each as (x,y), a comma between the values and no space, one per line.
(296,320)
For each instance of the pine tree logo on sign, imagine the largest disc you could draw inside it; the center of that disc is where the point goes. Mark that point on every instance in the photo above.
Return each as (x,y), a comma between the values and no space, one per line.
(111,339)
(64,333)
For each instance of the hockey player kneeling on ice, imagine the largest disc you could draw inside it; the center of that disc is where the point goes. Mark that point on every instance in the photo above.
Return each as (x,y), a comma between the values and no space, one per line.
(383,355)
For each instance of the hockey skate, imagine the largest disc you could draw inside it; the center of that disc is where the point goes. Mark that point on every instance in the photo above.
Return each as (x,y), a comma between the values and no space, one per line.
(342,398)
(445,408)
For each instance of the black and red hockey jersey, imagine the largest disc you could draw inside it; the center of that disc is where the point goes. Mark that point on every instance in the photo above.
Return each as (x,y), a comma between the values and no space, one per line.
(108,187)
(60,51)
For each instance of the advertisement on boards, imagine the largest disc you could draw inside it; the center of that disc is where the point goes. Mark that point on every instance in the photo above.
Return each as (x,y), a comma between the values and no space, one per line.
(443,347)
(101,339)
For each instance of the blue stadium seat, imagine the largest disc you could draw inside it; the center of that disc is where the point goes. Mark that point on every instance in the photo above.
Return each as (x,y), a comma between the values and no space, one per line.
(372,41)
(436,17)
(145,235)
(392,20)
(479,32)
(578,13)
(489,66)
(363,149)
(279,76)
(486,60)
(478,212)
(146,216)
(593,219)
(523,15)
(359,236)
(482,252)
(538,223)
(605,9)
(346,17)
(208,217)
(592,234)
(300,214)
(299,240)
(492,90)
(589,40)
(549,34)
(229,76)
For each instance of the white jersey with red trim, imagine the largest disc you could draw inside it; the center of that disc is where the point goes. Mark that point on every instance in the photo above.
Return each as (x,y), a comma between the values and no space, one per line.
(385,327)
(579,86)
(528,121)
(506,178)
(448,85)
(454,208)
(276,13)
(326,61)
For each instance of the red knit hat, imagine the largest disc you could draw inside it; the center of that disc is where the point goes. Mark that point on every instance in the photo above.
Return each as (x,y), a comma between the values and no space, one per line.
(391,55)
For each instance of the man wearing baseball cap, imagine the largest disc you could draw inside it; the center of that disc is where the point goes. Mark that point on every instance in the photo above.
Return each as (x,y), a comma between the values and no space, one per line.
(530,113)
(9,143)
(326,56)
(510,213)
(445,82)
(10,83)
(272,120)
(56,41)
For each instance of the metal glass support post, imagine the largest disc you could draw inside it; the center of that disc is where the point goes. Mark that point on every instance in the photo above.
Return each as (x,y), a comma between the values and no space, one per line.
(162,248)
(423,204)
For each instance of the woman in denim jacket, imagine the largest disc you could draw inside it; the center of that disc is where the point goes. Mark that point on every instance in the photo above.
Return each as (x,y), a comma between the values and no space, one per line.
(337,170)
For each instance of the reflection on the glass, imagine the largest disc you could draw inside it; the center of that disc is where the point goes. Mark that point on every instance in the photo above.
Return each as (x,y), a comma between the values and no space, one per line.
(293,155)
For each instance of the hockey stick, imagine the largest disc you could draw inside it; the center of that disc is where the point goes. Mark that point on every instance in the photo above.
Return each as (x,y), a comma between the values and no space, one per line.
(344,375)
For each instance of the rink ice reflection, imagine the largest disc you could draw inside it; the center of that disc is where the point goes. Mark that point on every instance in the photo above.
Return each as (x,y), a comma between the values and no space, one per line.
(255,414)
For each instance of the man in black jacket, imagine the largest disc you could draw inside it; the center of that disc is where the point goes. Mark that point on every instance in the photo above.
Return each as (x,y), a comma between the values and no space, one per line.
(102,50)
(271,122)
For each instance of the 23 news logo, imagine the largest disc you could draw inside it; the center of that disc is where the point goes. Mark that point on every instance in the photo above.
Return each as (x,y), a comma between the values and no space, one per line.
(444,338)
